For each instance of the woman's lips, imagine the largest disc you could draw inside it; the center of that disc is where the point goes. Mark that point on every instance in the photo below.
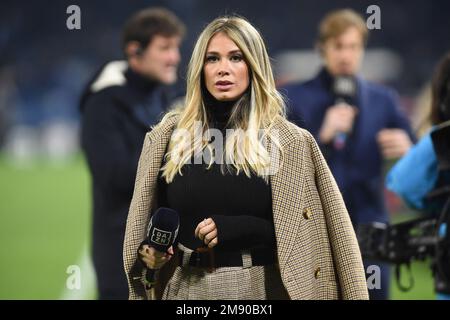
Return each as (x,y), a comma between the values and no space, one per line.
(223,85)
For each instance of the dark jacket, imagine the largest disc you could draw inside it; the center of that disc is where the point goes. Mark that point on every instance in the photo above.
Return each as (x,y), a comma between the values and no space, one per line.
(118,108)
(357,168)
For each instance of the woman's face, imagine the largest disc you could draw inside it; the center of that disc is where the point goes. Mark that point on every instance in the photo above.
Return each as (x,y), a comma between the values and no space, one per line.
(225,71)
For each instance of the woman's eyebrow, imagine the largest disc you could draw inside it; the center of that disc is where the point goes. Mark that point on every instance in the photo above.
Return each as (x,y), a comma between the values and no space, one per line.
(229,53)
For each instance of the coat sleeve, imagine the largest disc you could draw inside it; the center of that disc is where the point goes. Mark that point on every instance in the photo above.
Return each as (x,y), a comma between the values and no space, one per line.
(344,245)
(415,174)
(138,216)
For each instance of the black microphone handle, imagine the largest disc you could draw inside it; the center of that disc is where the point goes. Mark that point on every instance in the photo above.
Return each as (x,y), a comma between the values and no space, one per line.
(150,276)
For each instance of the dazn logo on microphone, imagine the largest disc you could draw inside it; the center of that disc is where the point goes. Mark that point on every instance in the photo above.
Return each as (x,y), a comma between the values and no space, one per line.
(161,237)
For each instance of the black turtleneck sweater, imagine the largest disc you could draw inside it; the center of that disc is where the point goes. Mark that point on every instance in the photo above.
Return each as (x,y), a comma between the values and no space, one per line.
(240,206)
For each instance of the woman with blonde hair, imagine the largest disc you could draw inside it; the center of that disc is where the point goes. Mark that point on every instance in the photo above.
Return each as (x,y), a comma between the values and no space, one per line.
(261,216)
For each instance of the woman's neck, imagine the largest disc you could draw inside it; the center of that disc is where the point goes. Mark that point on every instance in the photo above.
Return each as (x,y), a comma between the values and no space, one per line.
(219,111)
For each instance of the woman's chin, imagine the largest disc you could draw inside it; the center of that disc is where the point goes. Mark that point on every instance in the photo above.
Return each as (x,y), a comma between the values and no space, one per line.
(225,97)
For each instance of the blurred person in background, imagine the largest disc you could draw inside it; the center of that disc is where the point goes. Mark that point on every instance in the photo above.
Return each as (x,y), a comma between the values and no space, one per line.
(416,174)
(120,104)
(356,123)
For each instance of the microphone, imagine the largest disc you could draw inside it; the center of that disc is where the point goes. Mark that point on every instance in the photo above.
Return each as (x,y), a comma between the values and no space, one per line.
(344,91)
(162,234)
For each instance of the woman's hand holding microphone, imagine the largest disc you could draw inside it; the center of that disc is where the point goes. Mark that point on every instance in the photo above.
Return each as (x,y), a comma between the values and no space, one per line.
(153,259)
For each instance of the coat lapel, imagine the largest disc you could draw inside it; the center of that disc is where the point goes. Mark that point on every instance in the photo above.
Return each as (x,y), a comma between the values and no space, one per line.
(159,139)
(287,190)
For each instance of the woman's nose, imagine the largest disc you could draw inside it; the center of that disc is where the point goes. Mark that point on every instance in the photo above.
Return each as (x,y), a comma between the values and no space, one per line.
(223,72)
(223,68)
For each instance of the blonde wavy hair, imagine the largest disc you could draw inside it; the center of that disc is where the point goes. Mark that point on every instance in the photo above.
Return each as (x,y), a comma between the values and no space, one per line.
(254,113)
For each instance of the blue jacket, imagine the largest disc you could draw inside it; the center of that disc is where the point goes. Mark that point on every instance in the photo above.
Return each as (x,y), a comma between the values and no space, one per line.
(416,174)
(357,167)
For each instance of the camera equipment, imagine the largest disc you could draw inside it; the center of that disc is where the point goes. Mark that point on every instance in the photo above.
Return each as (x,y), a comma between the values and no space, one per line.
(422,238)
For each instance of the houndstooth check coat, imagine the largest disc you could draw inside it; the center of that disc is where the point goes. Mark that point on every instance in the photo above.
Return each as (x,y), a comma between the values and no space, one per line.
(317,250)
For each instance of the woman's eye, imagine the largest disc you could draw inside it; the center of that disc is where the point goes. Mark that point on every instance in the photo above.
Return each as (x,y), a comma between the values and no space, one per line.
(236,58)
(211,59)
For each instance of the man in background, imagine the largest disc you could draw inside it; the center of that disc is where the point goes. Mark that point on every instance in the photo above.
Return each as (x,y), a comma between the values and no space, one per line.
(356,123)
(118,107)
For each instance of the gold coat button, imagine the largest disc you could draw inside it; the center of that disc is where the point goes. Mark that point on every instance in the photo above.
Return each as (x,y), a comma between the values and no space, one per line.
(307,213)
(317,273)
